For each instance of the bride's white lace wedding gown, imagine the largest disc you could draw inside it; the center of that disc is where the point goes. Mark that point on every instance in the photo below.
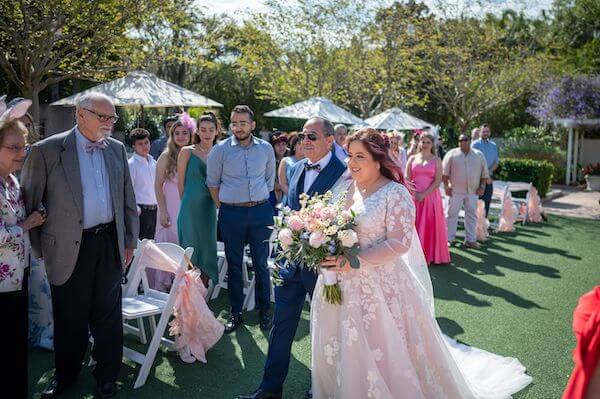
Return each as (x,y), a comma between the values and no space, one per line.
(383,341)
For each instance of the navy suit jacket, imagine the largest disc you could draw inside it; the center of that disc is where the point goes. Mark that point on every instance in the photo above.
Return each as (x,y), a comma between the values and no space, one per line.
(323,183)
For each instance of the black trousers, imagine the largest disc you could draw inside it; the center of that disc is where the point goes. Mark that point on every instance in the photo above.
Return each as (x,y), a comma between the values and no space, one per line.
(487,197)
(90,300)
(147,223)
(13,336)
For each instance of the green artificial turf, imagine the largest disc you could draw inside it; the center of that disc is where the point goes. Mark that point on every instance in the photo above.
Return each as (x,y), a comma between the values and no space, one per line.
(514,297)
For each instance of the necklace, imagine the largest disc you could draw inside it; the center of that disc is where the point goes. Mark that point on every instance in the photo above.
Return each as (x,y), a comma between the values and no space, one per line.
(202,149)
(368,190)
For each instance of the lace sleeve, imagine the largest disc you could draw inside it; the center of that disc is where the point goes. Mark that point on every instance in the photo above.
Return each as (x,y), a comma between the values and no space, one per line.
(399,221)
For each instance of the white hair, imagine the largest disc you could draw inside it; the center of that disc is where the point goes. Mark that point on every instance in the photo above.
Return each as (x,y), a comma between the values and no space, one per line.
(88,99)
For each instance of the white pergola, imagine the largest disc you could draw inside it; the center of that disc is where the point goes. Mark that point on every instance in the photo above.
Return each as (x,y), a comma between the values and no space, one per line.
(574,142)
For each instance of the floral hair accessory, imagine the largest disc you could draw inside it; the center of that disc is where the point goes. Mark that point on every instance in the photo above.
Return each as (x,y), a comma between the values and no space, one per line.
(418,132)
(188,122)
(14,112)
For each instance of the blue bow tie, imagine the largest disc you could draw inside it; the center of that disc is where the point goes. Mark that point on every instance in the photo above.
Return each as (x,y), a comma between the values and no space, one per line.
(316,167)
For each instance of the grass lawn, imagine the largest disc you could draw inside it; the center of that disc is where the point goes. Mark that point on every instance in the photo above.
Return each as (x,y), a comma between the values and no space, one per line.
(514,297)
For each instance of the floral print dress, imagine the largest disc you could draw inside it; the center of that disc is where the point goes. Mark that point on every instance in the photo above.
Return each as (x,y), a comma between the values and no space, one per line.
(14,243)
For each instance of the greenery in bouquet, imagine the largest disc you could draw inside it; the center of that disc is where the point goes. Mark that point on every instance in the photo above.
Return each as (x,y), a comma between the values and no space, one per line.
(321,228)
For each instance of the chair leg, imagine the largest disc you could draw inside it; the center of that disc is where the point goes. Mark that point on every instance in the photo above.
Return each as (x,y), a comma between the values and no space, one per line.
(152,349)
(142,328)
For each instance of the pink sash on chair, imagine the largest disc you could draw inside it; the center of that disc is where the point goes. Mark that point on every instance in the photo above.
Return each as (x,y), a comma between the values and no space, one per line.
(535,206)
(482,223)
(195,327)
(507,217)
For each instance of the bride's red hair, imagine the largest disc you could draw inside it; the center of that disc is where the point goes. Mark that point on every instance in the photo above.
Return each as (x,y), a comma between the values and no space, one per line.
(377,145)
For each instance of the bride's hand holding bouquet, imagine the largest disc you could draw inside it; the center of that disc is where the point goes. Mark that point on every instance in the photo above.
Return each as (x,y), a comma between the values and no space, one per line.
(320,236)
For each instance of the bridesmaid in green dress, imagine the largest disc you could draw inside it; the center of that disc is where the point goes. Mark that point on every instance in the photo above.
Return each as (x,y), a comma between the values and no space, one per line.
(197,222)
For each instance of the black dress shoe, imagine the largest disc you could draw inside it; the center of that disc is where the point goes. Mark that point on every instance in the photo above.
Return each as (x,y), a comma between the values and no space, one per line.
(55,388)
(106,390)
(260,394)
(308,394)
(234,321)
(266,321)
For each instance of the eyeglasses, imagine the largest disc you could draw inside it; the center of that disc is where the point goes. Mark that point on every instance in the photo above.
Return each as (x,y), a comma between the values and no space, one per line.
(15,148)
(242,125)
(312,136)
(104,118)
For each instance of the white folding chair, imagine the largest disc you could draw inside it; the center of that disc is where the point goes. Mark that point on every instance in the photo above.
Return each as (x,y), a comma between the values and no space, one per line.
(139,330)
(152,303)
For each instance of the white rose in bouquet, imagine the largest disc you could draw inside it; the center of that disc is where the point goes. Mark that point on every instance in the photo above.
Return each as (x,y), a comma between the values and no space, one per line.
(285,237)
(317,239)
(348,238)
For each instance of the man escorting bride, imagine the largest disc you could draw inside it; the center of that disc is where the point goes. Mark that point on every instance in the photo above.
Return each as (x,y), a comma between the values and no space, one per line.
(383,340)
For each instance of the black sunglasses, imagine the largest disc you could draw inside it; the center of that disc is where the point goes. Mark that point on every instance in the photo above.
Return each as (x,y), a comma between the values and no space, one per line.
(311,136)
(463,140)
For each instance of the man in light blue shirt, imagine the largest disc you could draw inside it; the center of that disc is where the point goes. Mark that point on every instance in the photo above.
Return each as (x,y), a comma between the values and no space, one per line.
(240,175)
(490,152)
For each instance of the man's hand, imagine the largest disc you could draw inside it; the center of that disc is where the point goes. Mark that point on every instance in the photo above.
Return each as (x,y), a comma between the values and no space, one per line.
(448,191)
(128,257)
(479,192)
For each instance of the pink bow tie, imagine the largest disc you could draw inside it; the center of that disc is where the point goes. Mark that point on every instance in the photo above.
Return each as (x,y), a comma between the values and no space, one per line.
(96,145)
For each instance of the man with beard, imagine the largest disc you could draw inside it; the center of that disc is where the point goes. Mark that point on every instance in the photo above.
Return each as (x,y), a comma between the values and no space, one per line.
(240,174)
(81,177)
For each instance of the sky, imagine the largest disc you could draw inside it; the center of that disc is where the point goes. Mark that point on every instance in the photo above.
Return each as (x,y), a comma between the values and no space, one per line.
(531,7)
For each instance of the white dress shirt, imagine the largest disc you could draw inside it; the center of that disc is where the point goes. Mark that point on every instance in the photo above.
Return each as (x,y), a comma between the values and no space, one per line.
(311,175)
(143,174)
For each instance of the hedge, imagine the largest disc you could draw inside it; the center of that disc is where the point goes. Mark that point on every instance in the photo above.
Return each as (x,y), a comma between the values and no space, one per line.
(540,173)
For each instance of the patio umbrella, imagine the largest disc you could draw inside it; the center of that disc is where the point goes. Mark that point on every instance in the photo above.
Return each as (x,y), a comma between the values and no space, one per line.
(395,118)
(316,106)
(144,89)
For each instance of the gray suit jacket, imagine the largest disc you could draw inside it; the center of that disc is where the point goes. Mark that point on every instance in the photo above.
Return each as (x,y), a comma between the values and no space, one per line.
(51,176)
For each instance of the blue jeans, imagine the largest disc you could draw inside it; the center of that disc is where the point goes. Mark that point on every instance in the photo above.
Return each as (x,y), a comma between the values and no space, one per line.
(240,226)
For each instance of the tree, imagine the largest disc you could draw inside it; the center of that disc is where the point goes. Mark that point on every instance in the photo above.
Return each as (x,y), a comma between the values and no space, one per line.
(472,69)
(48,41)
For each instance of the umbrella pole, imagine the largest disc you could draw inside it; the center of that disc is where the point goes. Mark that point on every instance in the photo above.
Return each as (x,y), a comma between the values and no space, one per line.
(141,120)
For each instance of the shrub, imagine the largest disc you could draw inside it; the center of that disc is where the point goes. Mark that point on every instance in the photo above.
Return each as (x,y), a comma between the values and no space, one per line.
(539,173)
(536,143)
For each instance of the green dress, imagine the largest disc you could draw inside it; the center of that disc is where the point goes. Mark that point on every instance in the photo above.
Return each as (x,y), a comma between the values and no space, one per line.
(197,222)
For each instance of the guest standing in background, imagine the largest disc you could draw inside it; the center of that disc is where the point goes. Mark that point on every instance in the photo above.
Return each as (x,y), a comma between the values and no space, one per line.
(142,168)
(475,134)
(490,151)
(279,142)
(295,153)
(14,251)
(240,176)
(413,148)
(339,143)
(167,194)
(159,145)
(397,150)
(424,171)
(464,174)
(197,222)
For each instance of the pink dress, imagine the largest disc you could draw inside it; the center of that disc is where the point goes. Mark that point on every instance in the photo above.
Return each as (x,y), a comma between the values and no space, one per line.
(157,279)
(430,221)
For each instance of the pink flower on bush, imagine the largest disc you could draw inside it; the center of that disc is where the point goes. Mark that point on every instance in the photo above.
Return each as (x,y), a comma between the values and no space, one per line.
(317,239)
(295,223)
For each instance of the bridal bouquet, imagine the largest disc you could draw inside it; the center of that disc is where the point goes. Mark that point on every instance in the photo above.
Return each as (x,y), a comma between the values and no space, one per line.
(319,229)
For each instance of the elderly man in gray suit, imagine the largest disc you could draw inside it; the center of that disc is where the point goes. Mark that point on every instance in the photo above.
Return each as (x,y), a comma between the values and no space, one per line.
(82,179)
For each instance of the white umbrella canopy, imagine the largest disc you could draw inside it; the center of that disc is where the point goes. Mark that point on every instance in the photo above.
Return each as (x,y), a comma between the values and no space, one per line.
(316,106)
(395,118)
(144,89)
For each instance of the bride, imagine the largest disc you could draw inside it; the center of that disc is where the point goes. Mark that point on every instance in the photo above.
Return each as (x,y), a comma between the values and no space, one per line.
(383,340)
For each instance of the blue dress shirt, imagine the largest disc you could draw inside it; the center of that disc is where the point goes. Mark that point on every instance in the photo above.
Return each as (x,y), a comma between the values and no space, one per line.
(489,150)
(242,173)
(97,202)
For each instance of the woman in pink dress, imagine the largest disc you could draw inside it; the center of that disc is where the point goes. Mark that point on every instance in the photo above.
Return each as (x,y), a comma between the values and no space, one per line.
(424,171)
(167,196)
